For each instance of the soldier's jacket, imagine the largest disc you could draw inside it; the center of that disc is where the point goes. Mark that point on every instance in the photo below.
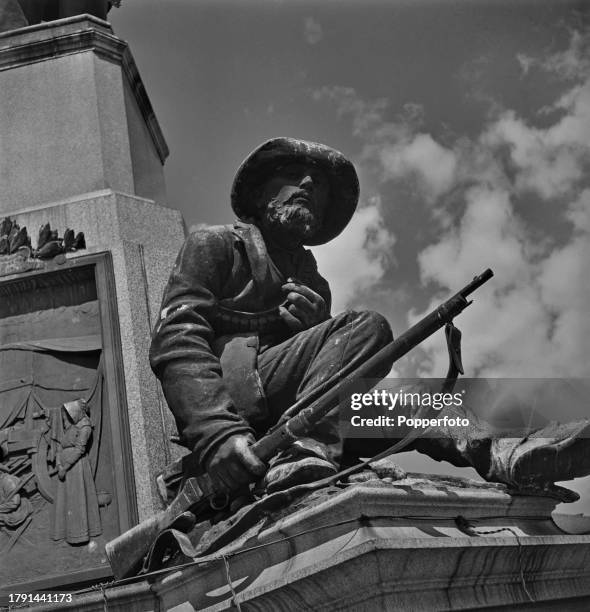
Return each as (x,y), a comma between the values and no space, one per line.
(220,304)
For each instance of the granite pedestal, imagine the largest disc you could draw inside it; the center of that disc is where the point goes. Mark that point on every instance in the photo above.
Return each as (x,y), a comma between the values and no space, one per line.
(80,147)
(74,116)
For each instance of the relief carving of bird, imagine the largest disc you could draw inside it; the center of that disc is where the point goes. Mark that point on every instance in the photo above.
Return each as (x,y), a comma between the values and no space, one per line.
(43,238)
(79,241)
(49,250)
(13,232)
(18,239)
(69,240)
(5,226)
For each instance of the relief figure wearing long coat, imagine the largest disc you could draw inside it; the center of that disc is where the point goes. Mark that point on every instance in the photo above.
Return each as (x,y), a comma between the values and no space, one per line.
(76,516)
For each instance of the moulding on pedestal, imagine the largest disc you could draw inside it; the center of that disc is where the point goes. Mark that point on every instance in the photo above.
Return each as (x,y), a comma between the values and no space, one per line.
(382,546)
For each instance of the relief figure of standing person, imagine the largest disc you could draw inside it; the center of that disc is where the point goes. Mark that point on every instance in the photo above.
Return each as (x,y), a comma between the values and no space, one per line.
(75,510)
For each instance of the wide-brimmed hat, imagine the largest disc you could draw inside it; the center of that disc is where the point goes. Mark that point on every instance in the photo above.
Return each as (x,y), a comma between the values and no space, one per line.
(341,175)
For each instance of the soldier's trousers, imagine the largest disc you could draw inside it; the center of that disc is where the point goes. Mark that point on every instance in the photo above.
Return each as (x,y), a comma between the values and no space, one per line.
(312,361)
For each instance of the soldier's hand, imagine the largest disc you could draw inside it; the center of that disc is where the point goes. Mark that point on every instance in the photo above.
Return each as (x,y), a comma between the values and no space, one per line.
(305,308)
(234,465)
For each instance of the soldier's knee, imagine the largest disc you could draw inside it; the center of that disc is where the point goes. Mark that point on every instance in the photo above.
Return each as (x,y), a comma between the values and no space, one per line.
(374,325)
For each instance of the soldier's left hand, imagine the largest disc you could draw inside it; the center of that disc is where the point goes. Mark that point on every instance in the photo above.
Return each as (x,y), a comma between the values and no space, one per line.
(304,309)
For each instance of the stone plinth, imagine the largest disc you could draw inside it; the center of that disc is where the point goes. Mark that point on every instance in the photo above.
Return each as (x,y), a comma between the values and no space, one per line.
(80,148)
(143,239)
(382,546)
(74,116)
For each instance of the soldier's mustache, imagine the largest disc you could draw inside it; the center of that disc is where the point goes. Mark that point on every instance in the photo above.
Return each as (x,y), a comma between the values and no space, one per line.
(300,195)
(290,209)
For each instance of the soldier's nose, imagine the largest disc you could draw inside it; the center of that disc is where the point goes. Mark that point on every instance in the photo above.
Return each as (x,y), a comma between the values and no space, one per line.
(306,182)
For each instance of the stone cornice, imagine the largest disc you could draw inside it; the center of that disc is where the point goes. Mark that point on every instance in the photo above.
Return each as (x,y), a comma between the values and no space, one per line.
(80,34)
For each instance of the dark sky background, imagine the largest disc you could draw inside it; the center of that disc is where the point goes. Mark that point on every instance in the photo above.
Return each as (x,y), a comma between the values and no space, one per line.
(224,76)
(469,123)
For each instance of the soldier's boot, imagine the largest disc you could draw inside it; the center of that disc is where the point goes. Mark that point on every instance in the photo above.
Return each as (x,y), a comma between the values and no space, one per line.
(305,461)
(555,453)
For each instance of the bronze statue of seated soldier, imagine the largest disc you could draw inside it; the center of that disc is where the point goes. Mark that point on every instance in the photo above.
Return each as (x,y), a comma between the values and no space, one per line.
(245,331)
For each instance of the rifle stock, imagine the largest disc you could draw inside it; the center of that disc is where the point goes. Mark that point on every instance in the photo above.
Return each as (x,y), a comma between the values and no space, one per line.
(126,552)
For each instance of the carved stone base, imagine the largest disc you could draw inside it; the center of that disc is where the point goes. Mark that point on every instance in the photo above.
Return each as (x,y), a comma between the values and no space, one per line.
(416,544)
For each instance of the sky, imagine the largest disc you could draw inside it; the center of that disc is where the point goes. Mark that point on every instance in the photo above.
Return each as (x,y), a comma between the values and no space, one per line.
(469,125)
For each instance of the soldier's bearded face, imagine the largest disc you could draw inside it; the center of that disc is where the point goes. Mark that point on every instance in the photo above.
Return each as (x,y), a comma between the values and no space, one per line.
(294,199)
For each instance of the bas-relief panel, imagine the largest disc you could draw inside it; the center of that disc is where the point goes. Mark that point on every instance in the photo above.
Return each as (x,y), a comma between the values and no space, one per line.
(59,467)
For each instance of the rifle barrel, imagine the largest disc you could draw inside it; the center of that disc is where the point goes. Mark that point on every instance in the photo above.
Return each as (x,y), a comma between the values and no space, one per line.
(477,282)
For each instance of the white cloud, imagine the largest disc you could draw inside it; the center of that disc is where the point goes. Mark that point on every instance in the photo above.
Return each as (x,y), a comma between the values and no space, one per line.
(525,62)
(366,116)
(420,157)
(397,148)
(535,322)
(507,320)
(312,31)
(488,232)
(532,318)
(573,62)
(549,161)
(554,160)
(356,260)
(565,291)
(579,212)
